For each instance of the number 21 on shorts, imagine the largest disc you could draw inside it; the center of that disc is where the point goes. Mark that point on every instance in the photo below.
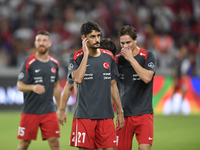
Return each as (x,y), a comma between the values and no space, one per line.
(21,131)
(79,137)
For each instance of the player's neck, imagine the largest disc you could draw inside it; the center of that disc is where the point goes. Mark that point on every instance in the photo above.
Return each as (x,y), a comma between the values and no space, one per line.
(42,57)
(136,51)
(94,52)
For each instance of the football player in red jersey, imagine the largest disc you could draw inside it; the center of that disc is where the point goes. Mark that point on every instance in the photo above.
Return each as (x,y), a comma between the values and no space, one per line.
(137,68)
(39,81)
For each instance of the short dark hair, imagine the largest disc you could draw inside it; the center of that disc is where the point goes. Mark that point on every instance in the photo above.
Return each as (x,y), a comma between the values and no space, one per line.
(128,30)
(106,43)
(87,27)
(43,32)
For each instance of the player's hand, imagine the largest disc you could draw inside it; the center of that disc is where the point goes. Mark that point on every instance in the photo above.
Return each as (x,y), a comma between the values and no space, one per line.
(62,117)
(120,120)
(39,89)
(127,53)
(84,46)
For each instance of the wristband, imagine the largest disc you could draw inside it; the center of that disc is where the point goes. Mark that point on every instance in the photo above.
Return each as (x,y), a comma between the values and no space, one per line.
(62,109)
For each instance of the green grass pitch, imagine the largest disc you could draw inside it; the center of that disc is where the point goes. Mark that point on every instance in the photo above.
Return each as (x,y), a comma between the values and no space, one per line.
(170,133)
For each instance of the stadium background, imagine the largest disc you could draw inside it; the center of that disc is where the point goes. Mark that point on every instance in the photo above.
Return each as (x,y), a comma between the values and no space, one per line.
(12,99)
(171,29)
(166,27)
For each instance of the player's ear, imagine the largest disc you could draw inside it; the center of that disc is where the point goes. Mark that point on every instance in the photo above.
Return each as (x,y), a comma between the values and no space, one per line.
(83,37)
(135,40)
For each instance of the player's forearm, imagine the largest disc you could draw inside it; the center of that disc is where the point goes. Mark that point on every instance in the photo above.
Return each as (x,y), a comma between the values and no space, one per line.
(65,97)
(117,102)
(75,89)
(115,96)
(64,101)
(57,93)
(78,74)
(144,74)
(21,86)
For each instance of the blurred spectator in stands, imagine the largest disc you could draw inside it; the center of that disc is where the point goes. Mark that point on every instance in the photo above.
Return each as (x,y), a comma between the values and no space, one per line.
(4,57)
(163,44)
(24,32)
(56,31)
(179,71)
(163,16)
(188,65)
(185,35)
(44,2)
(196,8)
(22,40)
(71,24)
(21,19)
(192,46)
(8,55)
(177,103)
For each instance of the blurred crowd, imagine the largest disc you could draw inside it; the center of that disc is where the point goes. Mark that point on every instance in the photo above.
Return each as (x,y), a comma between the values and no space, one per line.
(169,28)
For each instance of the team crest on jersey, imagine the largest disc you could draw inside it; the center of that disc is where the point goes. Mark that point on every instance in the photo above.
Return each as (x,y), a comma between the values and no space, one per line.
(21,75)
(53,69)
(70,66)
(106,65)
(151,65)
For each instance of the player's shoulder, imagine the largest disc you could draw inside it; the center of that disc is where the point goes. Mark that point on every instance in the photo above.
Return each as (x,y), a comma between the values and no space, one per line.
(77,54)
(107,52)
(143,52)
(30,60)
(146,53)
(54,60)
(119,55)
(151,54)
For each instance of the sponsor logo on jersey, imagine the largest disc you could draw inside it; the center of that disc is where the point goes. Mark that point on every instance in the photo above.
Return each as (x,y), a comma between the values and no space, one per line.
(151,65)
(88,76)
(21,75)
(121,76)
(106,65)
(37,70)
(79,54)
(142,54)
(135,77)
(120,54)
(70,66)
(38,79)
(52,78)
(30,62)
(53,69)
(107,52)
(106,76)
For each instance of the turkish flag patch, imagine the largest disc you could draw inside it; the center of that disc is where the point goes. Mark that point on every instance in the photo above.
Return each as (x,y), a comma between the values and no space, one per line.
(106,65)
(53,69)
